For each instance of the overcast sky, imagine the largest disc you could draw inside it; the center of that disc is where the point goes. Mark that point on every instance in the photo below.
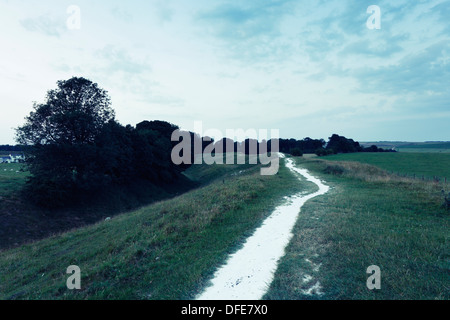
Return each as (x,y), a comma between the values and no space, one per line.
(307,68)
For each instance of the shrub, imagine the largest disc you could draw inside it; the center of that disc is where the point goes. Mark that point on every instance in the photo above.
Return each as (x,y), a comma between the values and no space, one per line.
(296,152)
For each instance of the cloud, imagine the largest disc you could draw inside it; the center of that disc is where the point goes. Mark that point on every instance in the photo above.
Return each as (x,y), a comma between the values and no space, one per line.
(122,14)
(231,21)
(164,11)
(417,73)
(45,24)
(379,47)
(249,31)
(408,56)
(118,60)
(444,12)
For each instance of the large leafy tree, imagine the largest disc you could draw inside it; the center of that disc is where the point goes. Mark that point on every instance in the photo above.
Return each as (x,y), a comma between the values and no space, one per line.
(340,144)
(60,136)
(74,113)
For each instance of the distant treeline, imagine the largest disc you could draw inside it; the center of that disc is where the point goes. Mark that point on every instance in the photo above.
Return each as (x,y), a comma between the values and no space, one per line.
(339,144)
(336,144)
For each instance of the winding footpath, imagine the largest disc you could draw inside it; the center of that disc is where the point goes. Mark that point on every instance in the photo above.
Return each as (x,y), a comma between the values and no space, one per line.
(248,273)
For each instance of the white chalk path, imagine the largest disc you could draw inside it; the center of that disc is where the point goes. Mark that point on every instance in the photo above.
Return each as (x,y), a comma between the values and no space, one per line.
(248,273)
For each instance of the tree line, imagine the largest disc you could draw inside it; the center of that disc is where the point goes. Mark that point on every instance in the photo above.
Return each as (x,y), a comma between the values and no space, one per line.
(336,144)
(340,144)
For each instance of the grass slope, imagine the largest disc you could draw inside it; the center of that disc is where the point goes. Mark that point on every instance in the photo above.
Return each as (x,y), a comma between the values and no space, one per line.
(22,222)
(167,250)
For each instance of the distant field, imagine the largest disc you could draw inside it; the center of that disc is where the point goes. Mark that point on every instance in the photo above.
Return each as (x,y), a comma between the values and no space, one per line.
(423,149)
(438,146)
(11,178)
(418,163)
(441,147)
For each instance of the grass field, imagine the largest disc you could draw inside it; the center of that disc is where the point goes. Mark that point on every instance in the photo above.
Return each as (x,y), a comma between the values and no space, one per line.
(368,218)
(437,146)
(169,250)
(12,179)
(441,147)
(427,164)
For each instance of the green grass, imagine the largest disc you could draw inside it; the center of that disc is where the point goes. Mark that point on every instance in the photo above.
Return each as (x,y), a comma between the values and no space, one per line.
(12,179)
(443,147)
(426,150)
(427,164)
(167,250)
(22,221)
(170,249)
(431,146)
(368,218)
(206,174)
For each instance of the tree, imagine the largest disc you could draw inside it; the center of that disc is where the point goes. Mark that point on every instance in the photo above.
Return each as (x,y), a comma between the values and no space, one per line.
(74,113)
(340,144)
(59,138)
(153,151)
(113,163)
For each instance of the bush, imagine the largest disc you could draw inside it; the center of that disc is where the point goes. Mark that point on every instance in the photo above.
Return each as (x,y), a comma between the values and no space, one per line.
(324,152)
(296,152)
(446,203)
(334,169)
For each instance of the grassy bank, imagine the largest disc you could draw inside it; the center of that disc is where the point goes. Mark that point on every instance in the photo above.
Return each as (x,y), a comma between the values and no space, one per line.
(22,221)
(368,218)
(167,250)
